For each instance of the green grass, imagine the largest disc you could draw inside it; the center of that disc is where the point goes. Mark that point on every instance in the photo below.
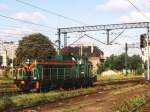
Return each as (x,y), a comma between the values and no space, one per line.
(132,103)
(128,89)
(26,100)
(5,81)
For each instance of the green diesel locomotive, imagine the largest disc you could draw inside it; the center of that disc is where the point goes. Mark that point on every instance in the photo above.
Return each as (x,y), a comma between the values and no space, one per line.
(57,72)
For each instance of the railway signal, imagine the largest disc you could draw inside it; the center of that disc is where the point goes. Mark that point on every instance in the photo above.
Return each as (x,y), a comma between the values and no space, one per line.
(143,41)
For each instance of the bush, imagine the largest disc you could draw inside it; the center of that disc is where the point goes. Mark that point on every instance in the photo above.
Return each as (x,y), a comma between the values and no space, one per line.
(6,103)
(132,103)
(27,100)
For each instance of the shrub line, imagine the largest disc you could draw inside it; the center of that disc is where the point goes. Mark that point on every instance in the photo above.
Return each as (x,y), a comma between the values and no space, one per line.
(32,100)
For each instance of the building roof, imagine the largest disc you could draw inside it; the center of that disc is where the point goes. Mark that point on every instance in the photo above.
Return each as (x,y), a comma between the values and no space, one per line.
(86,49)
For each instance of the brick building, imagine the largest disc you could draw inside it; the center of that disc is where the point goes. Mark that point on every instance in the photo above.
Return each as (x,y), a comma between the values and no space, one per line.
(95,55)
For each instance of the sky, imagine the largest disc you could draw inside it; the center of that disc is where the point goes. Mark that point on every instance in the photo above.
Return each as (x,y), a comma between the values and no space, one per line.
(86,12)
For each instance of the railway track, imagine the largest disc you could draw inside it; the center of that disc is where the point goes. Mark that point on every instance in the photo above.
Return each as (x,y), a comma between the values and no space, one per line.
(105,82)
(101,87)
(9,89)
(144,107)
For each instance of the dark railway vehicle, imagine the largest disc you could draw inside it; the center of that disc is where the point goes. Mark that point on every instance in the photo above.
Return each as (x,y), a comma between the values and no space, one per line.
(57,72)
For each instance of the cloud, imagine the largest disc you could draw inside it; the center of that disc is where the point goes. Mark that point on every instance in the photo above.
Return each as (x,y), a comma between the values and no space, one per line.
(18,32)
(15,33)
(3,7)
(114,5)
(32,16)
(135,17)
(122,5)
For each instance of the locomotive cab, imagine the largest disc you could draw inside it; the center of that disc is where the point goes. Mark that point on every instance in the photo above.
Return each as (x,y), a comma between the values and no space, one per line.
(23,77)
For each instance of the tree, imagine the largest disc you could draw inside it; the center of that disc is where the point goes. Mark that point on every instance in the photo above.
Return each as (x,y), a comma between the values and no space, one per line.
(34,46)
(134,61)
(100,68)
(135,64)
(115,62)
(118,63)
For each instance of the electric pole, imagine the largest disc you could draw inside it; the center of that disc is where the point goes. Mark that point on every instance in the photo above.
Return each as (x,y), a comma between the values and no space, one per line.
(126,59)
(148,74)
(59,34)
(65,39)
(107,30)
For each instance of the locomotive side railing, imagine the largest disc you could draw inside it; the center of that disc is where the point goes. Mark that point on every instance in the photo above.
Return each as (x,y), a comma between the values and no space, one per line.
(57,73)
(21,74)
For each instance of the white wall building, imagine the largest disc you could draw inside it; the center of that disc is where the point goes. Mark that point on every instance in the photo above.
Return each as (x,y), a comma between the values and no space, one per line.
(10,47)
(7,50)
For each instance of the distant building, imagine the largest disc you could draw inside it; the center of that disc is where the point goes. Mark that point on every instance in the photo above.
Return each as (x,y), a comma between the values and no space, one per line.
(4,59)
(10,47)
(7,51)
(94,54)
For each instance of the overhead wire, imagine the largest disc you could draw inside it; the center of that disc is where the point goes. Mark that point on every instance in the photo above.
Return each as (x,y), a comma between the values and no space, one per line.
(26,31)
(128,36)
(50,12)
(139,10)
(27,22)
(8,36)
(17,27)
(77,40)
(5,29)
(40,44)
(88,37)
(95,39)
(117,36)
(10,26)
(11,33)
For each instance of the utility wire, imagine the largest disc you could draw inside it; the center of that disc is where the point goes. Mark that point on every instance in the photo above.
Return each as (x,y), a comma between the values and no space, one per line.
(27,31)
(40,44)
(18,27)
(28,22)
(117,36)
(95,39)
(128,36)
(77,40)
(139,10)
(10,26)
(7,36)
(51,12)
(11,33)
(87,36)
(5,27)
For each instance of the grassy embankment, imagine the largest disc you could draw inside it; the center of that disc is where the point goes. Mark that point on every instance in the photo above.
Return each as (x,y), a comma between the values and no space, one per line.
(129,105)
(27,100)
(127,89)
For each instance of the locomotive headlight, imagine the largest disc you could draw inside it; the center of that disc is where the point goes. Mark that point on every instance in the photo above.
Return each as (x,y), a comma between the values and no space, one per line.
(22,82)
(15,77)
(35,78)
(82,72)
